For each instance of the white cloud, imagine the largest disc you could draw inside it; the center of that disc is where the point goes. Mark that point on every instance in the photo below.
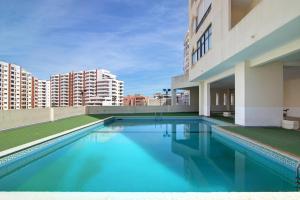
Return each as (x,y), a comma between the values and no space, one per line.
(55,36)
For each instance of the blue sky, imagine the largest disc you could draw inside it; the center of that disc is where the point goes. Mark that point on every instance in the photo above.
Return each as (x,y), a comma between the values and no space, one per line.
(141,41)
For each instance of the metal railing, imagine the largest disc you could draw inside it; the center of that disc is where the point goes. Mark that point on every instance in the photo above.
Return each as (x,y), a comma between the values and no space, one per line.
(298,177)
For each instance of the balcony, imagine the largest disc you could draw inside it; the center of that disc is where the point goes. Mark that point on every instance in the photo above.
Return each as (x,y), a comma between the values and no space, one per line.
(182,81)
(239,9)
(236,42)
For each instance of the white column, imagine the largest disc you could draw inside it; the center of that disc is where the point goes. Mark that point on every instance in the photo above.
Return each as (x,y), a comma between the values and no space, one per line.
(174,100)
(228,99)
(194,97)
(201,98)
(206,96)
(259,94)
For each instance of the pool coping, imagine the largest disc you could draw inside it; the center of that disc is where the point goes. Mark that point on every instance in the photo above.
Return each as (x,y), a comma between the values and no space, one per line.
(150,195)
(157,117)
(217,121)
(255,142)
(49,138)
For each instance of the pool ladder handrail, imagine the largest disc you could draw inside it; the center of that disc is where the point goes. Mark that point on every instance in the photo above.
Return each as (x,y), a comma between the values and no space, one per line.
(298,177)
(160,117)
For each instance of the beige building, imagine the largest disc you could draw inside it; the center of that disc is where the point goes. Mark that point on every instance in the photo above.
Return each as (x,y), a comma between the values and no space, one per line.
(160,99)
(245,59)
(94,87)
(135,100)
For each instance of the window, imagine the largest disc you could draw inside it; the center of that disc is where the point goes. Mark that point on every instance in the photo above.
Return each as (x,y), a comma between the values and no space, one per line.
(209,37)
(203,11)
(217,99)
(232,99)
(194,57)
(203,45)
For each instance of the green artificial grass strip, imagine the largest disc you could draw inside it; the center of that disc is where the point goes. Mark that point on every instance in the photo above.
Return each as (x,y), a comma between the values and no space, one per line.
(15,137)
(281,139)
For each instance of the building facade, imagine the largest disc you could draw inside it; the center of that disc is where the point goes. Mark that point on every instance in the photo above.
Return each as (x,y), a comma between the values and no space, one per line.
(183,98)
(186,62)
(43,94)
(244,57)
(94,87)
(18,88)
(135,100)
(160,99)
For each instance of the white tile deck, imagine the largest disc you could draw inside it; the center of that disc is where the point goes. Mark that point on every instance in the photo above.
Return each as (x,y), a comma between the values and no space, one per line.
(147,196)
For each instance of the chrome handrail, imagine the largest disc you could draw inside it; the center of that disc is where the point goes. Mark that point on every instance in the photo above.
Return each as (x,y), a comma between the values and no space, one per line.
(298,176)
(298,171)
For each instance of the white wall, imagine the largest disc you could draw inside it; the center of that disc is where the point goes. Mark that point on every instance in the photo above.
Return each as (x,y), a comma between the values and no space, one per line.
(65,112)
(17,118)
(221,107)
(292,93)
(138,109)
(259,95)
(194,97)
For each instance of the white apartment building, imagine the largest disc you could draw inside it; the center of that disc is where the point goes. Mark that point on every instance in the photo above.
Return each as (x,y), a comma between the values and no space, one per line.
(18,88)
(93,87)
(245,59)
(43,94)
(109,90)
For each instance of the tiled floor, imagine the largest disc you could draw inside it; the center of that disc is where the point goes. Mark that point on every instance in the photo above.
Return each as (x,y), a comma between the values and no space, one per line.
(149,196)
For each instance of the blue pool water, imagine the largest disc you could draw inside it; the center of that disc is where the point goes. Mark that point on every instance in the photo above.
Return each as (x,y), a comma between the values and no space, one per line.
(148,156)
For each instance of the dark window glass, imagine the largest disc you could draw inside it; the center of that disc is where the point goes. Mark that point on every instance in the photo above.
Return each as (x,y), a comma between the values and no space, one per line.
(203,45)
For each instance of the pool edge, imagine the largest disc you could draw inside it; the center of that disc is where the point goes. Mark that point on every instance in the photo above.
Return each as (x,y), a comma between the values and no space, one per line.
(220,130)
(49,138)
(149,195)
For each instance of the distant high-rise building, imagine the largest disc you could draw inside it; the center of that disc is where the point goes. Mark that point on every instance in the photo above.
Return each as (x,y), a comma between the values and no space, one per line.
(186,64)
(18,88)
(43,94)
(94,87)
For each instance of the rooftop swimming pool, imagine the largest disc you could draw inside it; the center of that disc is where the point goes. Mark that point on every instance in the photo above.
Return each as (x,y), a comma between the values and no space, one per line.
(144,155)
